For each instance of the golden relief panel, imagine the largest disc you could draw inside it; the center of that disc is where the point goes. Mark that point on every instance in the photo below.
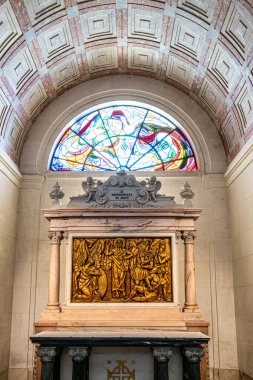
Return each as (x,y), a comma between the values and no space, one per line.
(121,270)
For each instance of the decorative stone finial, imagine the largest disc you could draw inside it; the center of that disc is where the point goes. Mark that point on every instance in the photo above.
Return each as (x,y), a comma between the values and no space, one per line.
(187,194)
(56,194)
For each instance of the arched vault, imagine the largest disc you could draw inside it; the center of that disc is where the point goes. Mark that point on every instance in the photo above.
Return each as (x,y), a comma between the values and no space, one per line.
(201,48)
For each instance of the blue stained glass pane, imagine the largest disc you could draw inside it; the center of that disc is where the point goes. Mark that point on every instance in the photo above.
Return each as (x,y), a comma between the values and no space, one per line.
(127,136)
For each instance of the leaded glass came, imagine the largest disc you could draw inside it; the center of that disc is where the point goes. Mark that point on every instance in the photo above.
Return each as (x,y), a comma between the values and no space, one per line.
(123,136)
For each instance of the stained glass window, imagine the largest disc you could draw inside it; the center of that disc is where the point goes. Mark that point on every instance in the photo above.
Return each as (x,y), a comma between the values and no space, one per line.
(129,136)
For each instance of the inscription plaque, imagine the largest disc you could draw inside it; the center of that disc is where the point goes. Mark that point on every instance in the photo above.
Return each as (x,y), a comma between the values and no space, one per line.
(122,269)
(121,190)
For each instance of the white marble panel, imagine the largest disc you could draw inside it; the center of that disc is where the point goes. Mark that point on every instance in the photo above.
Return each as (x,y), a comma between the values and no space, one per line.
(9,28)
(55,41)
(142,24)
(210,96)
(4,109)
(99,25)
(142,58)
(244,105)
(237,27)
(41,9)
(65,72)
(20,69)
(180,71)
(202,9)
(34,98)
(223,67)
(188,37)
(16,132)
(103,59)
(138,360)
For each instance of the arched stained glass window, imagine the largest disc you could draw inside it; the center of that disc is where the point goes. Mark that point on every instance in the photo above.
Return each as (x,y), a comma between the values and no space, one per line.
(130,136)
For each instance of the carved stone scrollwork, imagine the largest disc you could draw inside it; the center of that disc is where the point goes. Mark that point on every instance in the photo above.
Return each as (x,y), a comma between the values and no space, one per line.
(193,354)
(47,354)
(121,190)
(78,354)
(162,354)
(55,236)
(189,236)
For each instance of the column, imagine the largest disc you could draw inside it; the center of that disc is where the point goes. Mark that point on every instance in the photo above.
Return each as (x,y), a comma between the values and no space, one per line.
(190,284)
(192,359)
(162,356)
(54,275)
(80,359)
(47,356)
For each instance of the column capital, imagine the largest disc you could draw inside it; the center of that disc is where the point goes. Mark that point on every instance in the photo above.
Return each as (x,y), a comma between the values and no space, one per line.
(193,354)
(178,235)
(78,354)
(46,354)
(162,354)
(55,236)
(189,236)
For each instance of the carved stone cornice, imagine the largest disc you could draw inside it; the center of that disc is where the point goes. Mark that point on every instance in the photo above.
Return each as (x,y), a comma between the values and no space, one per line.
(47,354)
(122,190)
(193,354)
(55,236)
(162,354)
(189,236)
(78,354)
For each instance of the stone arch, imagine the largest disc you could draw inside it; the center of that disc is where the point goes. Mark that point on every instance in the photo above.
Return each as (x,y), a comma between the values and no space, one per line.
(54,119)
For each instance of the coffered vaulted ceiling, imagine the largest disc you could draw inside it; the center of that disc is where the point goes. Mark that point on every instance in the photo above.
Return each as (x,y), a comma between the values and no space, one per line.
(202,47)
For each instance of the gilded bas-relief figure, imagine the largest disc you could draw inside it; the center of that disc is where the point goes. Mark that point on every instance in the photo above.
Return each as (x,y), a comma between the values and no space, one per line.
(121,270)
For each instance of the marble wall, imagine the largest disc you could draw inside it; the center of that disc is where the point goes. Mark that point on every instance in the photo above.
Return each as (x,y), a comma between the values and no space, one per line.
(28,273)
(214,274)
(213,266)
(240,191)
(9,193)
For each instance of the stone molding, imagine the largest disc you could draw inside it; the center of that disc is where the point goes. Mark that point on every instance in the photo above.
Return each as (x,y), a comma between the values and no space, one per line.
(240,163)
(9,169)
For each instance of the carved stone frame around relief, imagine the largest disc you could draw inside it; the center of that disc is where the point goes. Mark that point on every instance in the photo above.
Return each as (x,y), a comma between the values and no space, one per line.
(68,283)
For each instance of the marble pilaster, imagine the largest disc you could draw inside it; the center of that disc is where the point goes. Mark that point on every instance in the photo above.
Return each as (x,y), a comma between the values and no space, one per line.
(192,359)
(80,359)
(54,274)
(190,282)
(162,356)
(48,356)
